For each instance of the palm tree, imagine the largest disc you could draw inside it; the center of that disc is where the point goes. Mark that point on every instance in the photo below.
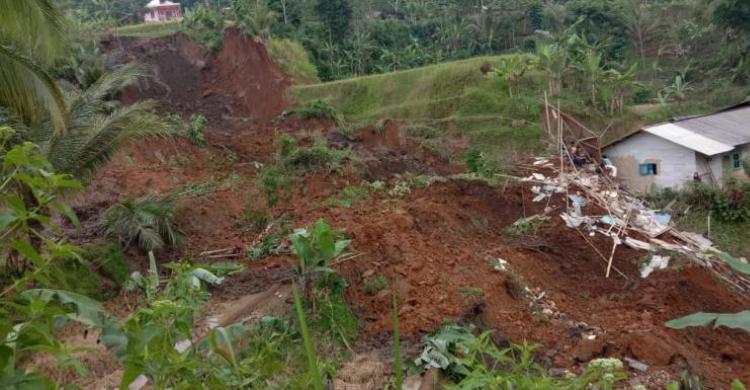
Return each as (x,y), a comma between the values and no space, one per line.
(255,17)
(31,36)
(98,125)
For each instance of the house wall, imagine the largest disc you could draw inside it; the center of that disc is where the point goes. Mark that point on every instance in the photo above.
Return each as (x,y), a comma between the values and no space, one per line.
(160,14)
(711,169)
(744,151)
(674,164)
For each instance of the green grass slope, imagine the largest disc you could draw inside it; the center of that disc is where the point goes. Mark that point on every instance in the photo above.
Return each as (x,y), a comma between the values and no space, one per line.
(148,30)
(453,97)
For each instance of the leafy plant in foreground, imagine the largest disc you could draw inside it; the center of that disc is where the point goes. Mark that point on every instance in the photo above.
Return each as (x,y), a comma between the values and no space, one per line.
(29,318)
(475,362)
(99,124)
(739,320)
(156,339)
(316,248)
(29,194)
(312,359)
(397,364)
(147,221)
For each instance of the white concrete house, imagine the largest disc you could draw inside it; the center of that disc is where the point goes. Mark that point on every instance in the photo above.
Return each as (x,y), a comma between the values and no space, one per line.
(162,11)
(669,154)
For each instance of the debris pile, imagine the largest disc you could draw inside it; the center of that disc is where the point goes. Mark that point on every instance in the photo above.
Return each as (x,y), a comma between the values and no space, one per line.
(597,205)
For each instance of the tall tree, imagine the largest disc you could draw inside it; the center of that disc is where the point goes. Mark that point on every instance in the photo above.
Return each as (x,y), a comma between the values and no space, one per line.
(733,14)
(336,15)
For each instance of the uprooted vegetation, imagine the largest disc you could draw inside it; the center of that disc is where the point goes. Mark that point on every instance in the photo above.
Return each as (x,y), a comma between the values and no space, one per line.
(292,160)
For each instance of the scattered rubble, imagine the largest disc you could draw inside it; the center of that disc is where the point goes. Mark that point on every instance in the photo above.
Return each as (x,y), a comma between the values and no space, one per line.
(597,205)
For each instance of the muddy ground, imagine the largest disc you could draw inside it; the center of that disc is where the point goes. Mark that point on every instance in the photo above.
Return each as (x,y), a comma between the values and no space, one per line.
(438,245)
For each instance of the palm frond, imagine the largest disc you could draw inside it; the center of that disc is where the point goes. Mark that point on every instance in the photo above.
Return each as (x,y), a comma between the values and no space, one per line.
(32,26)
(93,140)
(27,89)
(148,221)
(114,81)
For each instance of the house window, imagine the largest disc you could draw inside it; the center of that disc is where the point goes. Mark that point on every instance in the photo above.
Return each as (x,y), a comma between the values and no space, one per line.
(648,169)
(736,161)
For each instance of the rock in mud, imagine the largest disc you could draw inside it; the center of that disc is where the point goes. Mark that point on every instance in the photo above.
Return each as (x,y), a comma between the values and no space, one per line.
(651,349)
(588,349)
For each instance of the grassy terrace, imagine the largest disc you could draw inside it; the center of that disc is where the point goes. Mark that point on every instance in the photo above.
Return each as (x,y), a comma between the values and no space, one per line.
(148,30)
(451,97)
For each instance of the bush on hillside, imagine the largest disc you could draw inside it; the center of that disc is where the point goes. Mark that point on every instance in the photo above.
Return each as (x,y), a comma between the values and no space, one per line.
(292,160)
(293,59)
(204,26)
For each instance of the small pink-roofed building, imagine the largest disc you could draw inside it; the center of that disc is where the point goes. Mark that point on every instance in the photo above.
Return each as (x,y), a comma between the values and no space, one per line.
(162,11)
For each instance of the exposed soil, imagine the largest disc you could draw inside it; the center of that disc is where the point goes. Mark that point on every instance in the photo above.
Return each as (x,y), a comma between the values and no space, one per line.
(436,246)
(239,81)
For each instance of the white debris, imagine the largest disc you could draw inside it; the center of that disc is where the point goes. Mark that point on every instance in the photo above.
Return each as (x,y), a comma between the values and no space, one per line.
(539,198)
(500,265)
(657,262)
(182,346)
(638,244)
(539,176)
(139,383)
(636,364)
(574,221)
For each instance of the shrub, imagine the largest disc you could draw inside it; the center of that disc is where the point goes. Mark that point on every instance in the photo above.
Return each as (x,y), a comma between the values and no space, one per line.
(475,362)
(111,261)
(148,221)
(253,220)
(204,26)
(349,197)
(275,183)
(318,157)
(293,60)
(317,109)
(293,160)
(76,275)
(528,225)
(375,284)
(401,189)
(196,132)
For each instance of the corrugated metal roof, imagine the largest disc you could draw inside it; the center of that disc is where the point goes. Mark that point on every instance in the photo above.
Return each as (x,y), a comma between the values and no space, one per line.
(730,127)
(157,3)
(689,138)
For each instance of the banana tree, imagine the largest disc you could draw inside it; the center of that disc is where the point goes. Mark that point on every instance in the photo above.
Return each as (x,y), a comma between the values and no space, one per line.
(591,67)
(512,70)
(739,320)
(553,60)
(316,248)
(615,85)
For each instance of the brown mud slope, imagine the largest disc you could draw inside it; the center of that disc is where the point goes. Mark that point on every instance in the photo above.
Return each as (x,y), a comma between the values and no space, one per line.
(438,247)
(239,81)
